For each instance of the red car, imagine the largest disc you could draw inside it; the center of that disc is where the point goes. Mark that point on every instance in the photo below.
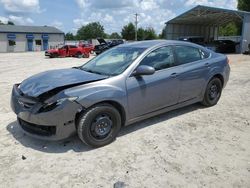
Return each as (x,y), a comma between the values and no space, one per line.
(89,47)
(68,51)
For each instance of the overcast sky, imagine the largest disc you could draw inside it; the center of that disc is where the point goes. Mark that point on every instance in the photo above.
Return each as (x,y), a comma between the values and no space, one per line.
(69,15)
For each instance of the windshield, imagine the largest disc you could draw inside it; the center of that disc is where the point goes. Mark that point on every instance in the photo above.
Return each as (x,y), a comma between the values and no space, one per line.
(63,47)
(113,62)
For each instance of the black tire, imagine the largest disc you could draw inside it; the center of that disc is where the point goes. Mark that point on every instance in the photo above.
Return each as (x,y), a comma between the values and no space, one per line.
(99,125)
(78,55)
(85,55)
(54,55)
(213,92)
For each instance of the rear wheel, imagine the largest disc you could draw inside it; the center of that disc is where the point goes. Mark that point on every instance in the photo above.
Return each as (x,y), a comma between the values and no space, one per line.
(213,92)
(86,55)
(99,125)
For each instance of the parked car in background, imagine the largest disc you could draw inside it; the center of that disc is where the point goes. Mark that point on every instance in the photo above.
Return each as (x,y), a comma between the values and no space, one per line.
(88,47)
(194,39)
(103,46)
(68,51)
(125,84)
(106,45)
(115,42)
(222,46)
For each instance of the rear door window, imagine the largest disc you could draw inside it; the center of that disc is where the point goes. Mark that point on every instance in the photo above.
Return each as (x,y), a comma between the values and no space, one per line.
(71,46)
(187,54)
(160,58)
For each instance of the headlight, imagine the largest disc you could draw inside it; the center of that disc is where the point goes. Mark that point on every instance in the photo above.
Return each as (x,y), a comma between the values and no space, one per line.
(52,105)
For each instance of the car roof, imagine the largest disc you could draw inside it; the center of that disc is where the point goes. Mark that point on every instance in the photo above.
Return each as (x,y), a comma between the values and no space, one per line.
(155,43)
(194,37)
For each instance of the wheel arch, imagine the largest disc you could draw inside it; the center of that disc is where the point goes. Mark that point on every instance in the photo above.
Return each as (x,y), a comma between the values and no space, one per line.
(215,75)
(207,102)
(115,104)
(220,76)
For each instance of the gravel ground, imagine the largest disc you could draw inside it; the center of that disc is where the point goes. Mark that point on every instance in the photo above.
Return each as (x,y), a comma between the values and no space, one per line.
(189,147)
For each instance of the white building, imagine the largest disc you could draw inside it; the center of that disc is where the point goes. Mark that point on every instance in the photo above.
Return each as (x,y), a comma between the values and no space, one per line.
(14,38)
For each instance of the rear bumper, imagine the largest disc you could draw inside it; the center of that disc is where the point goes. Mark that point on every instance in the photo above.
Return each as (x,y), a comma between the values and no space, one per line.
(55,124)
(226,75)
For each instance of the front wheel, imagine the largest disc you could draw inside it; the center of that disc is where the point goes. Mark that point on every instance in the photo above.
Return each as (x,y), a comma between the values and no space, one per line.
(54,55)
(213,92)
(78,55)
(99,125)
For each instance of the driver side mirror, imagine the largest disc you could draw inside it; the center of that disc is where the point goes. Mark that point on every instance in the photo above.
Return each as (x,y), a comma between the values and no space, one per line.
(143,70)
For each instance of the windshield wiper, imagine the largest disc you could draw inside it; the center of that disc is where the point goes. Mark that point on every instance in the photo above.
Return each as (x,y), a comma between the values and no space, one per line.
(76,67)
(95,72)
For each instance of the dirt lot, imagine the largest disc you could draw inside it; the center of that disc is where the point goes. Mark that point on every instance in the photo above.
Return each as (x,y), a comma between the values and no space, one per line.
(190,147)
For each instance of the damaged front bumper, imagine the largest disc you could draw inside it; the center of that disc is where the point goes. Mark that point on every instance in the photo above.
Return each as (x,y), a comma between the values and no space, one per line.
(55,122)
(47,54)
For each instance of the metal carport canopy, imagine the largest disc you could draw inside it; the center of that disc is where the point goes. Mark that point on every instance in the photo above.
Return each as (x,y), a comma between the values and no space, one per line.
(205,21)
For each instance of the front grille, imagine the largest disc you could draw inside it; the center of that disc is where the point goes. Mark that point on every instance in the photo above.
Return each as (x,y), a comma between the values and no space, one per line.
(41,130)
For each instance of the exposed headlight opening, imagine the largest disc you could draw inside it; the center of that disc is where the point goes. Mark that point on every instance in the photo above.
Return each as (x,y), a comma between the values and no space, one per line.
(60,101)
(52,105)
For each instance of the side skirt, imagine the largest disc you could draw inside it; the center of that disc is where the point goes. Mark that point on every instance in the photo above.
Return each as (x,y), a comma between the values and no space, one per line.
(163,110)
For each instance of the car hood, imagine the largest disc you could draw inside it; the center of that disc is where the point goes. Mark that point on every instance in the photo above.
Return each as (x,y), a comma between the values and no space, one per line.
(52,50)
(101,41)
(49,80)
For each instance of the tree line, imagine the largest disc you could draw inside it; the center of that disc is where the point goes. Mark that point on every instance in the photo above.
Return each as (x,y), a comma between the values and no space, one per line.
(8,23)
(96,30)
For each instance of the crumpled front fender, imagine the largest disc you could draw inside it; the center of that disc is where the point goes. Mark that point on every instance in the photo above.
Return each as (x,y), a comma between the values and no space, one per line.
(88,96)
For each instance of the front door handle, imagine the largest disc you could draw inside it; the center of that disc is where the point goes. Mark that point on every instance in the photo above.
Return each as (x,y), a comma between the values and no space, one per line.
(174,75)
(207,65)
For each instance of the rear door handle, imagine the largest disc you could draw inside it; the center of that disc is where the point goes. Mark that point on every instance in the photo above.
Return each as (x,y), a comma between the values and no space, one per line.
(207,65)
(174,75)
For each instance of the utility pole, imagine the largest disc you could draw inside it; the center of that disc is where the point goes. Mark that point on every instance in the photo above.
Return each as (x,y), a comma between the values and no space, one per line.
(136,22)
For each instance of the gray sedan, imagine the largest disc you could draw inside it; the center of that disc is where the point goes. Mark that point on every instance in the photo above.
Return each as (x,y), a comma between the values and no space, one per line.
(125,84)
